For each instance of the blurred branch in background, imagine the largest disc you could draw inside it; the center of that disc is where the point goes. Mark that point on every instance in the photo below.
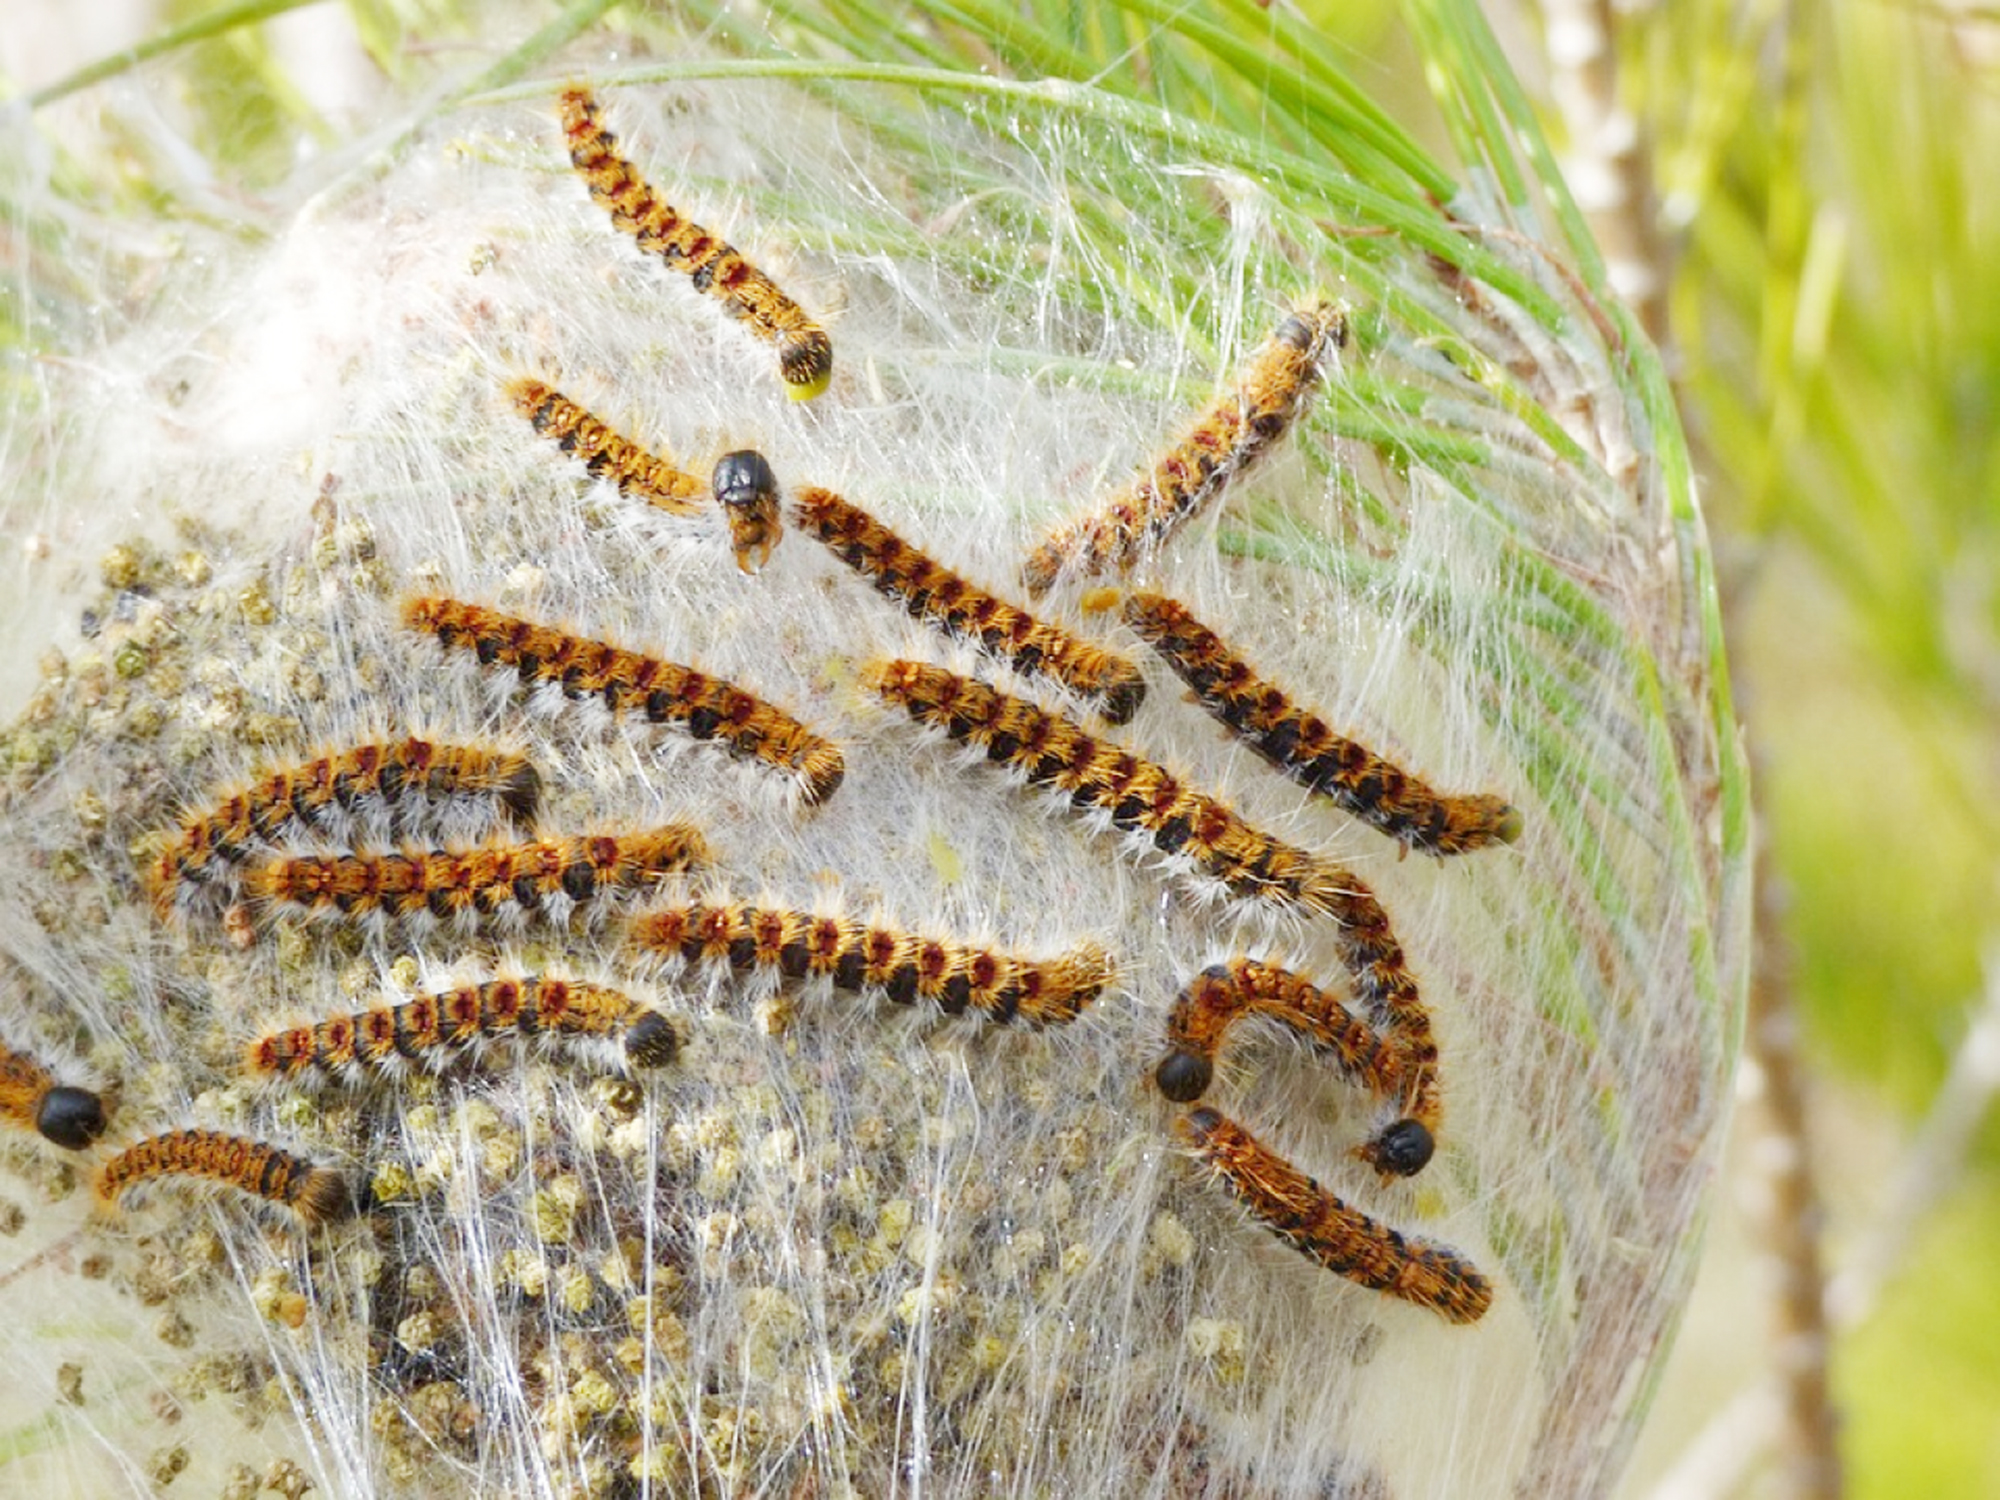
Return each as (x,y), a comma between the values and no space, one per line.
(1825,216)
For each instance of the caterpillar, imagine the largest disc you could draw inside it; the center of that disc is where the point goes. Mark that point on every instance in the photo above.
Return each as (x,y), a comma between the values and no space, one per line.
(747,491)
(430,1027)
(482,881)
(64,1114)
(1301,745)
(1223,442)
(707,708)
(1140,797)
(377,775)
(1221,994)
(605,453)
(941,598)
(1323,1229)
(805,353)
(317,1194)
(904,966)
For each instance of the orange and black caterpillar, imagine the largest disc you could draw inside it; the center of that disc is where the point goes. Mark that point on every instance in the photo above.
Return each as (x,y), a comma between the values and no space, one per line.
(666,693)
(905,966)
(605,453)
(64,1114)
(384,774)
(481,881)
(1224,441)
(1322,1228)
(1140,797)
(1301,745)
(316,1194)
(1221,994)
(747,491)
(940,597)
(428,1028)
(805,353)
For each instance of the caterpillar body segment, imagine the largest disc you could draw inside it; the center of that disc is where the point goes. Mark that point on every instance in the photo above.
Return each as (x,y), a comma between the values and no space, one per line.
(1302,746)
(1327,1231)
(317,1194)
(854,955)
(1223,994)
(949,603)
(551,876)
(430,1029)
(663,692)
(1139,796)
(1221,444)
(805,353)
(605,453)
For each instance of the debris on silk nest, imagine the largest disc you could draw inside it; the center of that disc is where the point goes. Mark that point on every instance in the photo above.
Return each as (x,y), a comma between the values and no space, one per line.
(588,1112)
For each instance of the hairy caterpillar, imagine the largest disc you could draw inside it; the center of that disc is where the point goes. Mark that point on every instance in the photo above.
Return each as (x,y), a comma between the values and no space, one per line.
(1301,745)
(316,1194)
(481,881)
(429,1027)
(905,966)
(1223,442)
(665,692)
(1223,993)
(605,453)
(941,598)
(1322,1228)
(805,353)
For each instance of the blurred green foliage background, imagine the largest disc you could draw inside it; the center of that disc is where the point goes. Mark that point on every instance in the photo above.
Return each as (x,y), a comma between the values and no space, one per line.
(1823,230)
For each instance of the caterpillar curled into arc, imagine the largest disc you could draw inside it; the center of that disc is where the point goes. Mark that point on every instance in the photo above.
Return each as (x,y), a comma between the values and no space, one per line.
(370,778)
(610,455)
(906,967)
(942,599)
(664,692)
(805,353)
(1223,442)
(316,1194)
(61,1113)
(1324,1229)
(1222,994)
(484,880)
(431,1028)
(1301,745)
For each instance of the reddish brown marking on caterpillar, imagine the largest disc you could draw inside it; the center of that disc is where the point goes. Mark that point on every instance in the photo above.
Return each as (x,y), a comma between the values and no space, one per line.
(62,1113)
(1223,442)
(605,453)
(707,708)
(941,598)
(316,1194)
(430,1027)
(1301,745)
(385,773)
(905,966)
(747,491)
(1322,1228)
(1222,994)
(484,880)
(805,353)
